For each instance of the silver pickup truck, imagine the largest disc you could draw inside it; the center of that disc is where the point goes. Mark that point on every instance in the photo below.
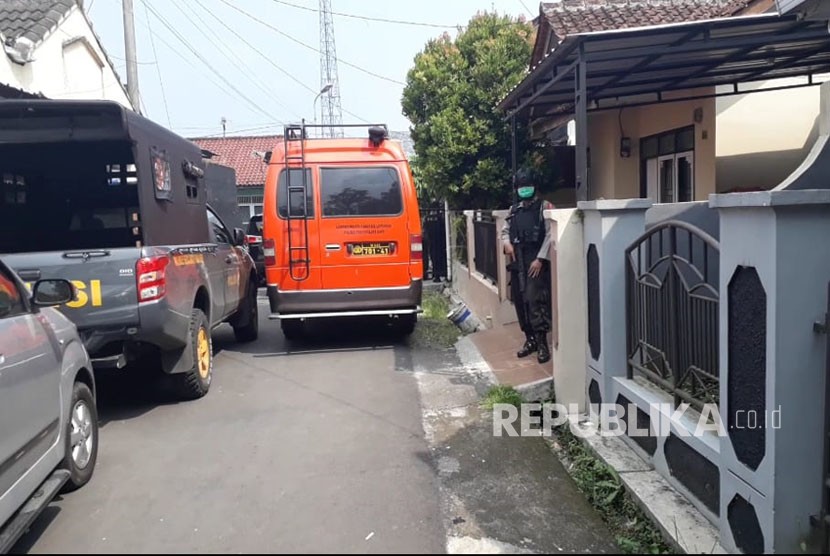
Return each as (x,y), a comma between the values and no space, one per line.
(101,196)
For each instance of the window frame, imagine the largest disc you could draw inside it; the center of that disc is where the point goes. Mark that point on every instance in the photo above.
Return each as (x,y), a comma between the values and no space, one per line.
(311,196)
(25,301)
(224,230)
(361,167)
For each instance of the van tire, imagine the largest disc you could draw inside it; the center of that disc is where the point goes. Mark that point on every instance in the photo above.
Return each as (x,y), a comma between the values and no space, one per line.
(247,329)
(79,475)
(292,329)
(195,383)
(406,324)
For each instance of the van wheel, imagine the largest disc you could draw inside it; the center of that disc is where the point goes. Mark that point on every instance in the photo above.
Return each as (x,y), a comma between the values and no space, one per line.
(81,438)
(195,383)
(406,324)
(247,330)
(292,329)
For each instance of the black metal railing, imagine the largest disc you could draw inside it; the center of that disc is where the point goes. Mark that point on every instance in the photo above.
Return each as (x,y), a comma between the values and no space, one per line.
(486,248)
(459,235)
(672,311)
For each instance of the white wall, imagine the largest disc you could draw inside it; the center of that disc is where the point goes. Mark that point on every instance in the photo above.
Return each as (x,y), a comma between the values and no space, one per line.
(762,137)
(65,67)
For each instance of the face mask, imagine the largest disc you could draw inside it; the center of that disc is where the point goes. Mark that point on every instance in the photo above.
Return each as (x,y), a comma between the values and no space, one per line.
(526,192)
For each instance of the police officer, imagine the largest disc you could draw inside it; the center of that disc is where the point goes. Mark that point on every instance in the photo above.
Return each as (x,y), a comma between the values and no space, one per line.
(527,239)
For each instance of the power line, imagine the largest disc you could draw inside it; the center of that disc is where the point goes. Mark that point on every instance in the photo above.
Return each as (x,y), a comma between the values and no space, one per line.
(254,48)
(222,133)
(368,18)
(158,68)
(526,8)
(196,53)
(308,46)
(231,56)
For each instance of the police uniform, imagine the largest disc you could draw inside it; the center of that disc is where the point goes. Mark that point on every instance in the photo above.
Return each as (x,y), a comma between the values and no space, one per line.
(529,233)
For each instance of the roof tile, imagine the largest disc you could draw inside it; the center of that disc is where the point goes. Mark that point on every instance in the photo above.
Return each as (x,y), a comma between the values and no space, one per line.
(32,19)
(569,17)
(239,153)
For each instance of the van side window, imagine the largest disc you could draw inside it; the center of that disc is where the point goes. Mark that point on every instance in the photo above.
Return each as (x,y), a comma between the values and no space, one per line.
(217,229)
(361,192)
(296,197)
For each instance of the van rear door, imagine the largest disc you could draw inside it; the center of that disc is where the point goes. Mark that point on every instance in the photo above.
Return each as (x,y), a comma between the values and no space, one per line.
(364,235)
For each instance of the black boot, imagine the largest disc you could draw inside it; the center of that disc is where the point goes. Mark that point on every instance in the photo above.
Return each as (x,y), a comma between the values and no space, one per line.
(528,348)
(544,350)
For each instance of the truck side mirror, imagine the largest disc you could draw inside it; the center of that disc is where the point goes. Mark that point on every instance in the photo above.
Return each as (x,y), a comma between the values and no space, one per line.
(238,237)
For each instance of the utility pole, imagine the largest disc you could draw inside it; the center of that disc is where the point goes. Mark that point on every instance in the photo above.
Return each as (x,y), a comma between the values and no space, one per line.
(224,126)
(130,54)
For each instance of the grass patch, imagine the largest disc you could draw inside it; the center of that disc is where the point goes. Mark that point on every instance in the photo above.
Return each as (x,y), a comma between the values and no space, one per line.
(434,329)
(634,531)
(502,395)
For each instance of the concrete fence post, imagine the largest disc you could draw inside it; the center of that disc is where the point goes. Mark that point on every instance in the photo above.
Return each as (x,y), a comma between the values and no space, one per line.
(569,315)
(610,227)
(500,217)
(774,275)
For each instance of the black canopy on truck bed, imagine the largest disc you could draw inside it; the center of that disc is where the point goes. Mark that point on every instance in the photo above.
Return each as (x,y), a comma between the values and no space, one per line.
(171,184)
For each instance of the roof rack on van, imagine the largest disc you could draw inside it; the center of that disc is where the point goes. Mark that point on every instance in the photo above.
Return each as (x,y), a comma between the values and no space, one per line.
(294,132)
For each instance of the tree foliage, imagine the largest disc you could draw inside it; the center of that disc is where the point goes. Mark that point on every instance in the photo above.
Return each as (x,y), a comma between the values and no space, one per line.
(462,142)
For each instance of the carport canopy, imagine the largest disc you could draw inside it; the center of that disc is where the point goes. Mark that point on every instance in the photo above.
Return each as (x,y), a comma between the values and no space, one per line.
(592,71)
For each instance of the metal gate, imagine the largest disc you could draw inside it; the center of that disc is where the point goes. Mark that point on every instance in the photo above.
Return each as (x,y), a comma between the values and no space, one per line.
(672,311)
(434,226)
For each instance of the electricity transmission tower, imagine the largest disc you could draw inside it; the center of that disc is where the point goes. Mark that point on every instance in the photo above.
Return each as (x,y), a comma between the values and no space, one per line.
(332,112)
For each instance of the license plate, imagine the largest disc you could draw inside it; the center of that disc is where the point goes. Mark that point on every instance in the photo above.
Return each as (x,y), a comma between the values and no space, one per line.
(371,249)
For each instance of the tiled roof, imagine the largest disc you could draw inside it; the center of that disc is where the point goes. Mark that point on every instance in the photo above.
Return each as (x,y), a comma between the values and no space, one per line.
(32,19)
(569,17)
(239,153)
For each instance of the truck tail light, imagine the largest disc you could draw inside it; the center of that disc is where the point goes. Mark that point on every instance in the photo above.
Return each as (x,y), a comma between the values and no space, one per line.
(269,251)
(151,278)
(253,240)
(416,247)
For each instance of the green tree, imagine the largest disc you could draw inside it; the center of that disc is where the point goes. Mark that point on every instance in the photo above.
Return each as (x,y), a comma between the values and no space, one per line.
(461,139)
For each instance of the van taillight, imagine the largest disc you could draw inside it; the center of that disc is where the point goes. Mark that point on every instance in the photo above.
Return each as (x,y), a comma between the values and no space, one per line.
(151,278)
(416,247)
(269,251)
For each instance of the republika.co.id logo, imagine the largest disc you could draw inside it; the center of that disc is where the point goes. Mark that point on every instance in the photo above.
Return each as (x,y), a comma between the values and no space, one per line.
(663,419)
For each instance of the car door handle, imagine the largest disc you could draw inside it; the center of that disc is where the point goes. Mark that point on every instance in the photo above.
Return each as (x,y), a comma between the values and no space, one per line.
(333,247)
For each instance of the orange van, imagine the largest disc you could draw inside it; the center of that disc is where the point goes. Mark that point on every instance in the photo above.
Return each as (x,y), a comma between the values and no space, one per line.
(342,230)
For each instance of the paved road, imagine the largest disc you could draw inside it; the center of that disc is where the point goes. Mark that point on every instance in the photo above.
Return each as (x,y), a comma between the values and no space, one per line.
(320,450)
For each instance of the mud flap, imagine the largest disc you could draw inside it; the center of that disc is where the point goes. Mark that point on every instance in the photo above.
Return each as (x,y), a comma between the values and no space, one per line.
(178,360)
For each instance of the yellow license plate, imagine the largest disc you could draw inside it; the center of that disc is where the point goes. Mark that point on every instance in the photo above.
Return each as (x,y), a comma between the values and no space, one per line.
(371,249)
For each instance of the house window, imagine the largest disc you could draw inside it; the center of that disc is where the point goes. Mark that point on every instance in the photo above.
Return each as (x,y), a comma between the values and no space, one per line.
(667,166)
(251,205)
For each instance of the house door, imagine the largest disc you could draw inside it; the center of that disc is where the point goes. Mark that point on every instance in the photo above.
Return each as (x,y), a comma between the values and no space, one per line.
(670,178)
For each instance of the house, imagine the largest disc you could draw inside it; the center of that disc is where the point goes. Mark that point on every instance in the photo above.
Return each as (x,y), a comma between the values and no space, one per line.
(719,139)
(702,148)
(51,50)
(247,156)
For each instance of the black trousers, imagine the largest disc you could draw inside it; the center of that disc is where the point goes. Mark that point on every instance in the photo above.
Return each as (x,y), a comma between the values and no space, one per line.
(533,305)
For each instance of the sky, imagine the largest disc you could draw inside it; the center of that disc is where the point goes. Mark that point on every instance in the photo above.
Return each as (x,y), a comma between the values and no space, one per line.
(211,61)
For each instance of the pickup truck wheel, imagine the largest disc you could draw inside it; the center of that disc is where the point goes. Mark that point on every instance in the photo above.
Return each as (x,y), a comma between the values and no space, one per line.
(247,330)
(292,329)
(81,438)
(195,383)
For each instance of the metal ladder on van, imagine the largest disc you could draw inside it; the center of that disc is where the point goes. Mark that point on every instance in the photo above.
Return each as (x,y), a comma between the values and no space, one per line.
(299,262)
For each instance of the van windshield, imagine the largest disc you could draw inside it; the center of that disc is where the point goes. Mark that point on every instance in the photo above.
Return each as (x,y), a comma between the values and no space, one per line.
(361,191)
(61,197)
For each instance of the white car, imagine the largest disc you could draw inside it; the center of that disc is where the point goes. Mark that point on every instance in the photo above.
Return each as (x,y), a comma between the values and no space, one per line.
(48,416)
